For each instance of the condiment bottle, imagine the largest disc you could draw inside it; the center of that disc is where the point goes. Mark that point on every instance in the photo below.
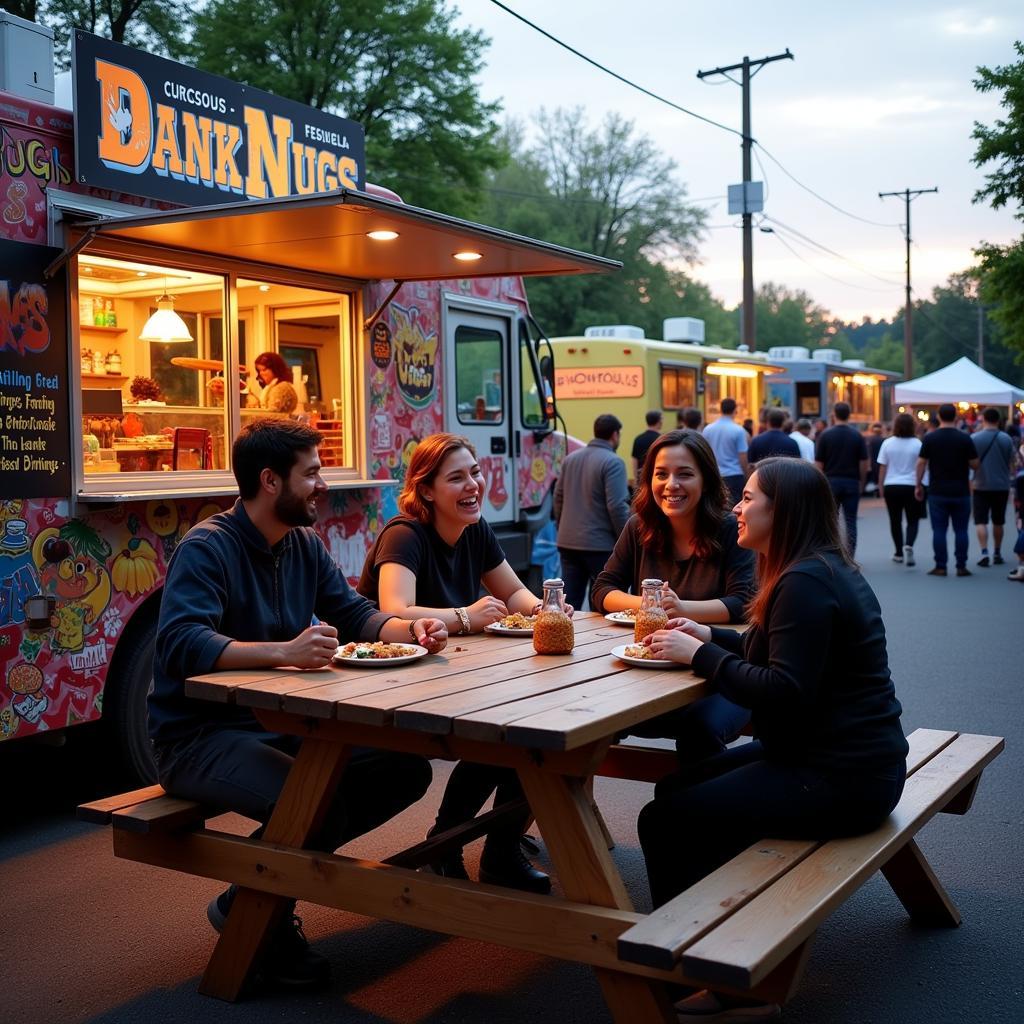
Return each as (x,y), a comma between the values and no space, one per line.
(651,616)
(99,316)
(99,362)
(552,630)
(109,316)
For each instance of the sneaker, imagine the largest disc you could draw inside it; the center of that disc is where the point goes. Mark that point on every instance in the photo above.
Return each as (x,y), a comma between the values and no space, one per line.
(983,561)
(908,555)
(939,570)
(508,865)
(1017,574)
(997,559)
(962,570)
(897,557)
(288,961)
(709,1007)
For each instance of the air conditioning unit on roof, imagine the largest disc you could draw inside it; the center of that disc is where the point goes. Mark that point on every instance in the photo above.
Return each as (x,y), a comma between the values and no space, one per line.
(827,355)
(615,331)
(789,352)
(856,364)
(683,328)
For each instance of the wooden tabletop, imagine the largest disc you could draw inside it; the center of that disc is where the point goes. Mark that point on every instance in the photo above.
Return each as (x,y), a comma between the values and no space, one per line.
(484,687)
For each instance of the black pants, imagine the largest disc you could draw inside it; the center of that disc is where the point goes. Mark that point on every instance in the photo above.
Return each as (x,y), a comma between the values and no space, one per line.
(703,816)
(467,791)
(579,570)
(243,769)
(900,502)
(847,494)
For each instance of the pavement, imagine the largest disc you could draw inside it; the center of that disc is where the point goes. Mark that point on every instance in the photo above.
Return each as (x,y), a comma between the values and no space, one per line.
(87,937)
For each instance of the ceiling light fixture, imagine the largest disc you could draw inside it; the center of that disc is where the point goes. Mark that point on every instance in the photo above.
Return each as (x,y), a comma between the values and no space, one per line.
(165,325)
(382,236)
(467,256)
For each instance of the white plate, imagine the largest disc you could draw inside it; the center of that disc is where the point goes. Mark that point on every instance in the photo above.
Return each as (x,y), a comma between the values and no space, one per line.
(620,620)
(620,653)
(499,630)
(381,662)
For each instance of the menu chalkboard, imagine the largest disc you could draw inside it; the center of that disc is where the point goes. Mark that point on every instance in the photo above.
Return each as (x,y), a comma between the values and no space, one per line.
(35,440)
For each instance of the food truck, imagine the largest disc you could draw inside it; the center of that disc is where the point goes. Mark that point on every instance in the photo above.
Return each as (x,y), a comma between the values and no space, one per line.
(615,368)
(810,384)
(153,245)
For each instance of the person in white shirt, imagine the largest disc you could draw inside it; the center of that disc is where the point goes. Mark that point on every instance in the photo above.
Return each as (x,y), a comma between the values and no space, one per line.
(897,459)
(802,435)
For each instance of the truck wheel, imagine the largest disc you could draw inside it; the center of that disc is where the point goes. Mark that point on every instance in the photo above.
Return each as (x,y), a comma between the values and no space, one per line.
(129,683)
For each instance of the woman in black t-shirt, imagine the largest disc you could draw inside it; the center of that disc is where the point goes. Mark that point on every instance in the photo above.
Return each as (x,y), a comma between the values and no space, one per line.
(439,554)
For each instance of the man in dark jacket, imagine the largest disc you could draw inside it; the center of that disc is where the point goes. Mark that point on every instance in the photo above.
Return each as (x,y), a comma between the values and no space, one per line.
(591,507)
(773,442)
(841,454)
(254,587)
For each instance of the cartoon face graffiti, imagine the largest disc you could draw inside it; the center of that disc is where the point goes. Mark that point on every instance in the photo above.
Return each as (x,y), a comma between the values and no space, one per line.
(415,358)
(26,682)
(72,576)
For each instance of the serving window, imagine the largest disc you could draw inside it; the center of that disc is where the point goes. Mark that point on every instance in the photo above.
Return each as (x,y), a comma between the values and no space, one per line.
(173,360)
(678,386)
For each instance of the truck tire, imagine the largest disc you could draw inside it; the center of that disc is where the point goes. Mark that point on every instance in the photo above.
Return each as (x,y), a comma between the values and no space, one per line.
(129,683)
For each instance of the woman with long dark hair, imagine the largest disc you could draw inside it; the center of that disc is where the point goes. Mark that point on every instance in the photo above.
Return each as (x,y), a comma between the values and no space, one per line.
(440,553)
(276,392)
(829,756)
(897,462)
(681,533)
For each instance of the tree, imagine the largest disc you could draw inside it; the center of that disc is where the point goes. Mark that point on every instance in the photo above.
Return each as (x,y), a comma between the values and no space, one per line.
(606,191)
(1001,268)
(398,67)
(787,317)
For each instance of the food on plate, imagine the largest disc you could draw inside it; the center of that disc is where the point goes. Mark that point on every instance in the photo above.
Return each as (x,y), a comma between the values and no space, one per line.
(378,650)
(628,614)
(639,651)
(517,621)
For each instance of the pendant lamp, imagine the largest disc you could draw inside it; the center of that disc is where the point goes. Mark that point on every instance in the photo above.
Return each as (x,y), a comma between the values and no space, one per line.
(165,325)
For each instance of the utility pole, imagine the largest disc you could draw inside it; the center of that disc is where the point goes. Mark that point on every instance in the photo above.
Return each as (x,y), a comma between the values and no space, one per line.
(747,331)
(908,194)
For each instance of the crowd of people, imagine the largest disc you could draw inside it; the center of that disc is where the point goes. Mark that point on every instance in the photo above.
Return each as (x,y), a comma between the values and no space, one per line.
(739,529)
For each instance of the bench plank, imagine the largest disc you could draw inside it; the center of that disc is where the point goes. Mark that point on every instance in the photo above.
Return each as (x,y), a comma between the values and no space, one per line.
(660,939)
(98,812)
(754,940)
(161,814)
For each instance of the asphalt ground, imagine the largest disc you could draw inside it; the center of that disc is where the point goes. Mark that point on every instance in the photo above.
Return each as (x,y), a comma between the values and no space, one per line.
(90,938)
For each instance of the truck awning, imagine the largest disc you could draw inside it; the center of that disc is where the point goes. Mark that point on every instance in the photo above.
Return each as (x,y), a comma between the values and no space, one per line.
(329,234)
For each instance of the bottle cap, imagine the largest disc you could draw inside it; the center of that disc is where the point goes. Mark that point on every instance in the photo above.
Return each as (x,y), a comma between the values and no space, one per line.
(651,583)
(553,583)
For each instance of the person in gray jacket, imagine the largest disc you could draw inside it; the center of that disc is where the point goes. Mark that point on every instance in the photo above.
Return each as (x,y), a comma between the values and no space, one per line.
(591,519)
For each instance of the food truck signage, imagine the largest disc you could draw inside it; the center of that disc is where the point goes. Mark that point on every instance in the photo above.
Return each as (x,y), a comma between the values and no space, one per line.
(34,439)
(153,127)
(599,382)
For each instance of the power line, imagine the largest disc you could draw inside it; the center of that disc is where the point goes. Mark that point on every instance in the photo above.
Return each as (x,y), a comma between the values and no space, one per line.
(614,74)
(817,269)
(827,202)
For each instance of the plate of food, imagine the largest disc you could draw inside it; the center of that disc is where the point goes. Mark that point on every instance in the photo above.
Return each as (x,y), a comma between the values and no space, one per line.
(623,618)
(637,654)
(377,654)
(515,624)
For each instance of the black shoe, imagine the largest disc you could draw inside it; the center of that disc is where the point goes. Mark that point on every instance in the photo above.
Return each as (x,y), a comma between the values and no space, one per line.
(289,961)
(507,865)
(997,559)
(962,570)
(217,909)
(983,561)
(939,570)
(452,866)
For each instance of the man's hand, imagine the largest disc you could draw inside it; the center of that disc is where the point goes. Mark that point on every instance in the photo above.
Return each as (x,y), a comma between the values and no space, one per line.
(313,647)
(431,633)
(694,629)
(485,611)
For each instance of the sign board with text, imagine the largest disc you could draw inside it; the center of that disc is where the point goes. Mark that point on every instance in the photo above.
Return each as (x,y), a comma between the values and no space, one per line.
(153,127)
(35,440)
(599,382)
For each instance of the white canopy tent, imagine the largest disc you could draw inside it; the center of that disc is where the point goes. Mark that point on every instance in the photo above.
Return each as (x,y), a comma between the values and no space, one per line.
(962,381)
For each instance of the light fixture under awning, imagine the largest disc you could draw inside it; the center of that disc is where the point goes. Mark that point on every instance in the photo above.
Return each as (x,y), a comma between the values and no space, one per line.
(738,368)
(328,234)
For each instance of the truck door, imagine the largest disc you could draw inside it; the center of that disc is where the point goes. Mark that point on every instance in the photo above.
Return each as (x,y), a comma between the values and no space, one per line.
(479,389)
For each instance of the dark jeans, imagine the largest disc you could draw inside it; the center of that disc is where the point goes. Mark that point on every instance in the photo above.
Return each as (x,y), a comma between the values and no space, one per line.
(468,788)
(940,511)
(579,570)
(847,495)
(735,486)
(701,729)
(243,769)
(703,816)
(900,502)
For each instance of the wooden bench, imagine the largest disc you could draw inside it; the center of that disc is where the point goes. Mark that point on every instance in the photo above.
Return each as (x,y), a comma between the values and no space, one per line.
(748,926)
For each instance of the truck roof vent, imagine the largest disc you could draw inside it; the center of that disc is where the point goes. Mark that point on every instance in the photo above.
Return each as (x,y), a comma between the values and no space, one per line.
(827,355)
(615,331)
(683,328)
(789,352)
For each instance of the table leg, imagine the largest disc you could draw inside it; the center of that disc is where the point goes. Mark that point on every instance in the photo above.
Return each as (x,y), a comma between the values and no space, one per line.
(578,848)
(297,817)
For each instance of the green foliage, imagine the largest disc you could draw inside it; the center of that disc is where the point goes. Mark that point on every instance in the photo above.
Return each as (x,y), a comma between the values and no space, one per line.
(1002,285)
(398,67)
(1003,143)
(783,316)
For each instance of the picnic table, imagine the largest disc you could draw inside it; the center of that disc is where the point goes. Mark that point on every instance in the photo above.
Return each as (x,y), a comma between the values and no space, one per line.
(486,698)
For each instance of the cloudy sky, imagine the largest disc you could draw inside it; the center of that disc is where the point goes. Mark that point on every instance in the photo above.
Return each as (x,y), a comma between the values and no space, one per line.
(879,98)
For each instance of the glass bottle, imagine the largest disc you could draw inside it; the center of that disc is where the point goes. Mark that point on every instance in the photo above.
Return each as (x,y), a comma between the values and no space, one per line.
(552,631)
(109,316)
(651,616)
(99,318)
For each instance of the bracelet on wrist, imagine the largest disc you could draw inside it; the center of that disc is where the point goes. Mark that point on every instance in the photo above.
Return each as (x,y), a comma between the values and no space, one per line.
(412,632)
(463,616)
